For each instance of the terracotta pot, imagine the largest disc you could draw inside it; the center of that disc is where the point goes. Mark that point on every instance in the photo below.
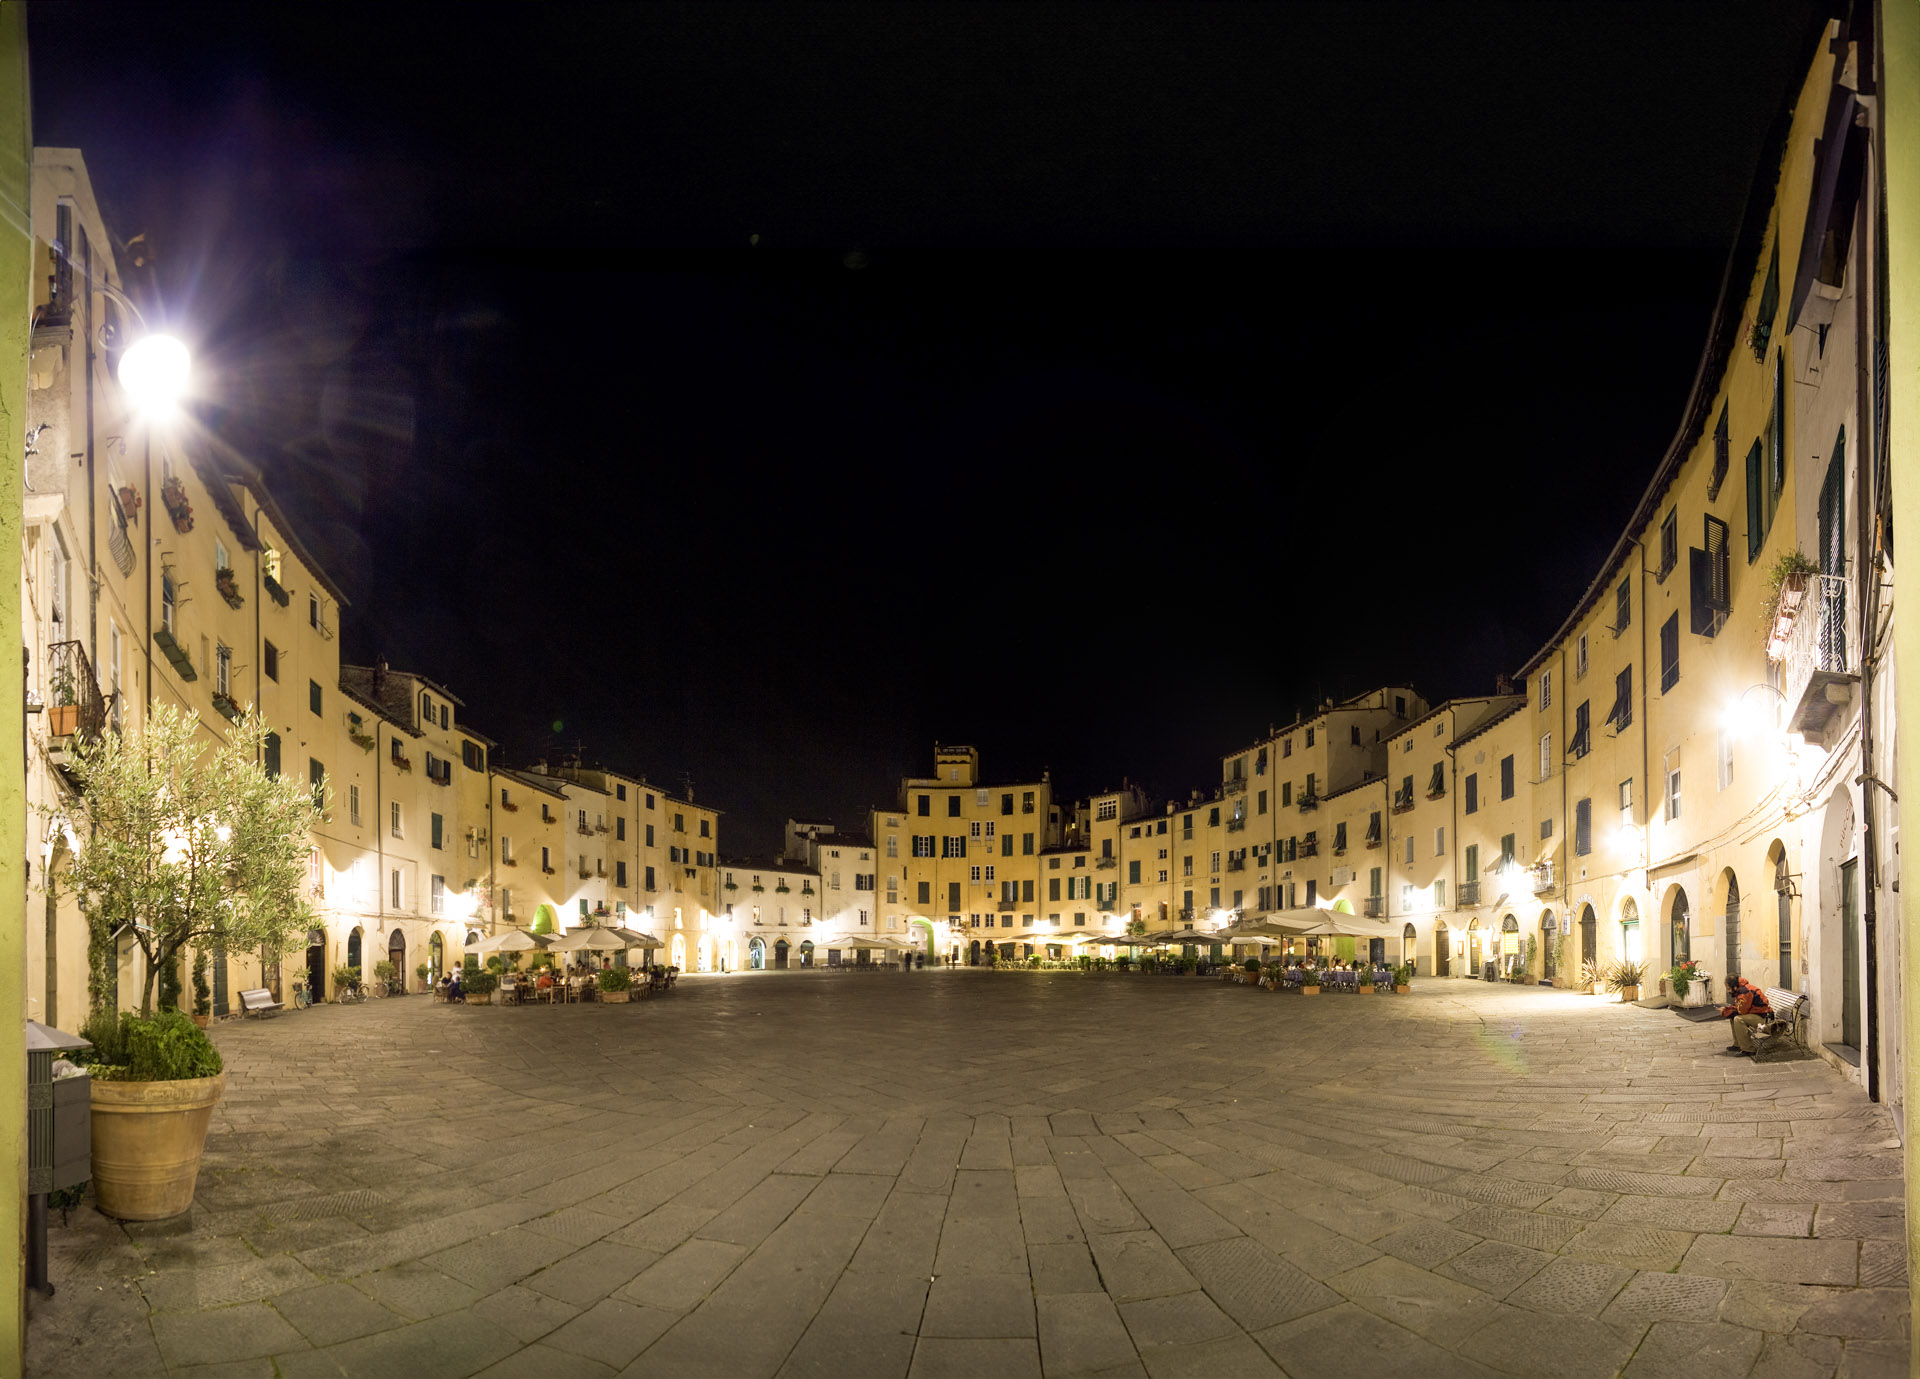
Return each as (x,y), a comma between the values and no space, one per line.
(1401,990)
(203,1020)
(1599,988)
(1629,993)
(147,1139)
(63,719)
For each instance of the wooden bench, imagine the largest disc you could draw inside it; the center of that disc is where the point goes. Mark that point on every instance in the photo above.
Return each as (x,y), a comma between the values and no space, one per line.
(259,1002)
(1786,1022)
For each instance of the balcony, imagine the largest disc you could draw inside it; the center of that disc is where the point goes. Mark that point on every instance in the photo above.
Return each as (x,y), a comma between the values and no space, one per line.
(1541,878)
(586,872)
(1237,785)
(1309,846)
(1309,803)
(274,590)
(77,708)
(1468,894)
(1373,838)
(1402,801)
(1105,863)
(1236,864)
(1236,825)
(1374,907)
(1818,659)
(1006,906)
(224,702)
(586,830)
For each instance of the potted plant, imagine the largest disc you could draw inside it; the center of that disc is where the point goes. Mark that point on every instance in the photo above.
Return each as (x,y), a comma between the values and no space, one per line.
(480,983)
(1403,978)
(1252,969)
(1310,979)
(63,718)
(388,976)
(345,978)
(1363,980)
(130,503)
(228,583)
(423,972)
(154,1086)
(173,497)
(1625,978)
(1592,978)
(1124,962)
(202,998)
(616,984)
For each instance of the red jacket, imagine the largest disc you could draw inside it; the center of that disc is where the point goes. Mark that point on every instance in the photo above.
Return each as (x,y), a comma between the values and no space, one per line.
(1748,999)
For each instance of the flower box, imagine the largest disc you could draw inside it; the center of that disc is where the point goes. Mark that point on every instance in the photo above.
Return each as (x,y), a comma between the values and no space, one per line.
(173,496)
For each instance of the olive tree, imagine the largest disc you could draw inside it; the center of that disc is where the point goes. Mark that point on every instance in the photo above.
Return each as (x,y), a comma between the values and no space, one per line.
(187,841)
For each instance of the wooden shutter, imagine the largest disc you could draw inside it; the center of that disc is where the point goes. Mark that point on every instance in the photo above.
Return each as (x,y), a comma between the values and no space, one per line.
(1756,504)
(270,753)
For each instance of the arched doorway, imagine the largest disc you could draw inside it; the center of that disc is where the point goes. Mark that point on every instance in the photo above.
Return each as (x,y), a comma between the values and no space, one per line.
(1509,943)
(1589,937)
(436,958)
(756,954)
(922,932)
(677,952)
(780,951)
(1679,923)
(1549,947)
(973,953)
(1442,950)
(1632,945)
(1733,924)
(397,955)
(806,952)
(1475,938)
(353,948)
(544,919)
(703,952)
(1783,900)
(1408,940)
(317,964)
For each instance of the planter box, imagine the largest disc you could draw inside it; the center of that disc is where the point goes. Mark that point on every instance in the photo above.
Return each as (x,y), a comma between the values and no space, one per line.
(1365,990)
(1309,991)
(147,1140)
(1401,990)
(63,719)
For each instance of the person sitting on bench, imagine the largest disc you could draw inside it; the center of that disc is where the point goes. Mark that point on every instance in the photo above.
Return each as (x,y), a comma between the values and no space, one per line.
(1747,1012)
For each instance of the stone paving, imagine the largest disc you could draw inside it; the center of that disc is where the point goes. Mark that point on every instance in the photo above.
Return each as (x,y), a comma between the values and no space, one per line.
(957,1172)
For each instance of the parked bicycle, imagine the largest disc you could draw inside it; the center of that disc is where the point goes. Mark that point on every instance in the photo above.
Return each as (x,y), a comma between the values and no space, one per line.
(349,991)
(300,998)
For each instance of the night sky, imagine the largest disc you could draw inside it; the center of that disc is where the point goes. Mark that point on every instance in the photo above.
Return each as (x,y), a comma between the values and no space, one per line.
(763,393)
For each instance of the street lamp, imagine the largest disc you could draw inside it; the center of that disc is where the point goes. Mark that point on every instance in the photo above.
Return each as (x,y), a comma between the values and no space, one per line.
(154,372)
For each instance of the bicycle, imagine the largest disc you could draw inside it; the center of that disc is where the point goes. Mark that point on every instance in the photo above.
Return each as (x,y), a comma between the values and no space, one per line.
(300,998)
(351,992)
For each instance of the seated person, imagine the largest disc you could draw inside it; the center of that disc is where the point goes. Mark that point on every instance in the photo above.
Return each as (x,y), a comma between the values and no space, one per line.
(545,981)
(1748,1010)
(454,991)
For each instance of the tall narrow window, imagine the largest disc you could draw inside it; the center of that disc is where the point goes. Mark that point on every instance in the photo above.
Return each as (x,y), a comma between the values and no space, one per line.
(1582,827)
(1670,653)
(1623,606)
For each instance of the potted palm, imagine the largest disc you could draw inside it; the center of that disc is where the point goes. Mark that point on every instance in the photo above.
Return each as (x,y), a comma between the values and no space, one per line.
(1625,978)
(1403,978)
(1311,985)
(189,843)
(1363,980)
(1592,977)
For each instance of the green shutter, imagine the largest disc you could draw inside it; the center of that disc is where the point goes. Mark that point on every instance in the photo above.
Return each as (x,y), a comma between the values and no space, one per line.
(1756,504)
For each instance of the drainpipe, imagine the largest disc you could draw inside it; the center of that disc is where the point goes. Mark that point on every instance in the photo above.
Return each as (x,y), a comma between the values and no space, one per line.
(1868,574)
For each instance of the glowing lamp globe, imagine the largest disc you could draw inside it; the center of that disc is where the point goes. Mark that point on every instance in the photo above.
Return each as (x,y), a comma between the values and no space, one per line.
(154,372)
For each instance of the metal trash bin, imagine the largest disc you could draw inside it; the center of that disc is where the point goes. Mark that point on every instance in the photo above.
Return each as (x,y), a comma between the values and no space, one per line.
(59,1136)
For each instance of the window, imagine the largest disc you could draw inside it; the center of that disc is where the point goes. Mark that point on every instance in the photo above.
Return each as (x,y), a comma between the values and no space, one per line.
(1439,895)
(953,845)
(1673,786)
(353,803)
(313,696)
(650,885)
(1620,716)
(1710,582)
(1006,803)
(1026,845)
(1669,653)
(1506,778)
(1470,792)
(1107,809)
(1580,744)
(313,611)
(923,845)
(1580,657)
(1623,606)
(472,756)
(1440,842)
(1133,873)
(437,827)
(973,874)
(1026,801)
(649,801)
(1546,690)
(1546,756)
(953,806)
(1626,803)
(396,888)
(1214,866)
(1263,803)
(980,798)
(1354,734)
(1409,849)
(393,807)
(1310,732)
(620,828)
(706,828)
(1053,888)
(973,829)
(924,805)
(270,754)
(269,653)
(893,845)
(1723,760)
(1506,851)
(223,669)
(438,900)
(1471,861)
(1669,544)
(1582,827)
(1286,793)
(619,873)
(1286,747)
(1340,837)
(317,778)
(1546,829)
(649,835)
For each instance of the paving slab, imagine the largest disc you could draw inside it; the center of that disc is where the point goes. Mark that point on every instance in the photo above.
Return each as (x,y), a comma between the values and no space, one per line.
(555,1192)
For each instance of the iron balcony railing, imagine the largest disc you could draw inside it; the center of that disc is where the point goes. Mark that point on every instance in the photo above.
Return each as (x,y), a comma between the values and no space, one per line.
(1469,894)
(1820,652)
(1542,878)
(75,706)
(1374,907)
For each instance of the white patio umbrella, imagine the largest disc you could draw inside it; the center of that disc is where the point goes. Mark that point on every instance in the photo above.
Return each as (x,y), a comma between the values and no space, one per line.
(512,941)
(589,938)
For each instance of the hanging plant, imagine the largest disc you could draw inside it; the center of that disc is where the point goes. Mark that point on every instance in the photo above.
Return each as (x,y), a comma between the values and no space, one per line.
(1786,583)
(173,495)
